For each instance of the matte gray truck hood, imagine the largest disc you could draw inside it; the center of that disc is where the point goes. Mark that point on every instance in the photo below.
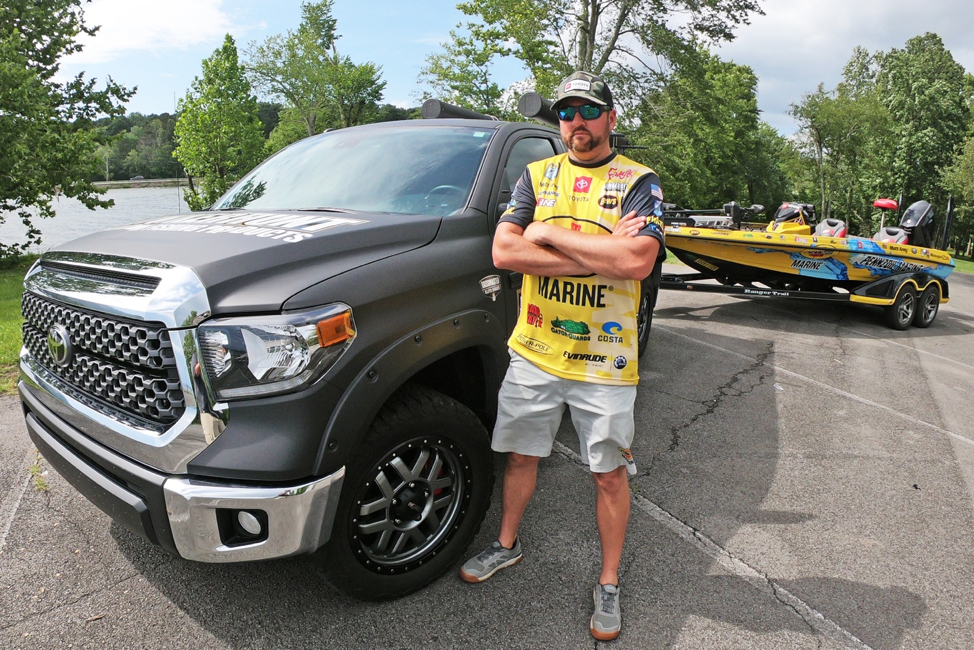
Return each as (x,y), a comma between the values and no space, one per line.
(252,261)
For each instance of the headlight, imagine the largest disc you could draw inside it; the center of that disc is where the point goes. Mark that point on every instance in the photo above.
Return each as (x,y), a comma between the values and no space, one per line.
(267,355)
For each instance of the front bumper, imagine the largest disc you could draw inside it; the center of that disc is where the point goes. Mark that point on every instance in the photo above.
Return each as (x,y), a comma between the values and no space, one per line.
(180,513)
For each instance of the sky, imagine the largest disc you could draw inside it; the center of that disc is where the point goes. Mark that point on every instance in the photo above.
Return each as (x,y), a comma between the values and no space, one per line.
(798,44)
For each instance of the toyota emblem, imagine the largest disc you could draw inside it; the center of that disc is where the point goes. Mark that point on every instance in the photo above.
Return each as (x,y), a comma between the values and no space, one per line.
(59,345)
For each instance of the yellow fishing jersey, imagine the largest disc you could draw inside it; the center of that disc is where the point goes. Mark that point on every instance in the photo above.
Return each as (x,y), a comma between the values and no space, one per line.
(583,327)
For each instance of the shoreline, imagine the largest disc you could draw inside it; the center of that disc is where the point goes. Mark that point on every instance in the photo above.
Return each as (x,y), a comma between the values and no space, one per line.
(147,182)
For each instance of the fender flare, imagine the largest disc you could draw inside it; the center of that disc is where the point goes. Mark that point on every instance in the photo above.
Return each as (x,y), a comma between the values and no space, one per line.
(395,365)
(884,291)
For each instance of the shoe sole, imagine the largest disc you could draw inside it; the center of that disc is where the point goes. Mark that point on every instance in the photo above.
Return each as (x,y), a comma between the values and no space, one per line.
(469,577)
(604,636)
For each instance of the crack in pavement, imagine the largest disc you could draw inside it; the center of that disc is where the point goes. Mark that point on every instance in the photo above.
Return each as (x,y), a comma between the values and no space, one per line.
(712,404)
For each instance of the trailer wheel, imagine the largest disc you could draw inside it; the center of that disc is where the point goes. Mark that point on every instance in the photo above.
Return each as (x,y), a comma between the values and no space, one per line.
(928,306)
(900,314)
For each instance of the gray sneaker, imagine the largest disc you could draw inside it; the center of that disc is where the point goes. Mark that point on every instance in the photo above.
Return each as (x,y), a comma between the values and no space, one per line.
(492,560)
(607,619)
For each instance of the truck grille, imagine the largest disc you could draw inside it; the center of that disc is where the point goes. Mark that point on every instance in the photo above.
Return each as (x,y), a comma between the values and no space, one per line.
(127,365)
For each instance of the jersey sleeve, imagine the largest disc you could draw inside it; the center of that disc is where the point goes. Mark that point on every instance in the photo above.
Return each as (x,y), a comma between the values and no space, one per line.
(646,198)
(520,210)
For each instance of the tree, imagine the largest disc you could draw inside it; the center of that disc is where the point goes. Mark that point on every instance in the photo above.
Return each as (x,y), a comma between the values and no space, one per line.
(304,70)
(218,135)
(632,44)
(45,124)
(703,136)
(925,92)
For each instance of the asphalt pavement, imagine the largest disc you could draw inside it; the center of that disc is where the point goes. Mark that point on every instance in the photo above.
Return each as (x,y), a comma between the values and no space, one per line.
(806,480)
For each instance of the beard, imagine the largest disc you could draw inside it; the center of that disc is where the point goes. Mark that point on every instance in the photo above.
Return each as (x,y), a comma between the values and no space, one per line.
(582,140)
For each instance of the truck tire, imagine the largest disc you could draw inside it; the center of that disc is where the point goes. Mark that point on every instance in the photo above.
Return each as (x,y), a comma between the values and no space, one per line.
(414,496)
(899,315)
(649,292)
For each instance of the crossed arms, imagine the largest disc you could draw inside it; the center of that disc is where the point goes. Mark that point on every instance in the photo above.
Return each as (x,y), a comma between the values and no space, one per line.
(545,249)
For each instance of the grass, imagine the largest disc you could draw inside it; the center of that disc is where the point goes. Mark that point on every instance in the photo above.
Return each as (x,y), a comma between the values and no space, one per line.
(963,264)
(11,288)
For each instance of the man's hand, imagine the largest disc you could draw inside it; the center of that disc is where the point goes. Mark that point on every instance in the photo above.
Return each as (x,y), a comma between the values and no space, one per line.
(629,225)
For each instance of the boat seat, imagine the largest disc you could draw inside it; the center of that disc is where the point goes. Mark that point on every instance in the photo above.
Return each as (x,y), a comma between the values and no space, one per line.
(831,228)
(891,235)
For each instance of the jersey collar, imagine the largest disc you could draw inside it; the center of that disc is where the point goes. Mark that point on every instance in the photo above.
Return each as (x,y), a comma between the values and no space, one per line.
(593,165)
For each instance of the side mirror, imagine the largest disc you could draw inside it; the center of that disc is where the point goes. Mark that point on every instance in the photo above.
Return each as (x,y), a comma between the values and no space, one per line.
(757,208)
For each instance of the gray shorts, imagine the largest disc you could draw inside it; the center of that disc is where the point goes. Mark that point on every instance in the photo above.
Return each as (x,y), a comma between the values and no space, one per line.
(532,401)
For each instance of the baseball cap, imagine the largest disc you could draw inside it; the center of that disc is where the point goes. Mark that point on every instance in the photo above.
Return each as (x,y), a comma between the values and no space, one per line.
(585,85)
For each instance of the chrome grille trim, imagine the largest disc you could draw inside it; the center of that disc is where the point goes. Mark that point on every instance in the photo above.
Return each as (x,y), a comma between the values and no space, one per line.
(172,311)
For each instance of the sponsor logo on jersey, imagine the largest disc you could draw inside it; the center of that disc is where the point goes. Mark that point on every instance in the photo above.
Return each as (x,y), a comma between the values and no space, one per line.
(546,203)
(578,199)
(609,202)
(613,186)
(533,344)
(657,223)
(573,329)
(576,226)
(582,184)
(534,316)
(611,333)
(616,174)
(551,171)
(573,293)
(620,362)
(552,193)
(584,356)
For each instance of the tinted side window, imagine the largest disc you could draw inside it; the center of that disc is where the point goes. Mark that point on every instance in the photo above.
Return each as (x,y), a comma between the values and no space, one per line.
(526,151)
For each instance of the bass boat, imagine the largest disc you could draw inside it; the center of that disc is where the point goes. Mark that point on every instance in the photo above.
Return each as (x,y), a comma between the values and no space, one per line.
(900,268)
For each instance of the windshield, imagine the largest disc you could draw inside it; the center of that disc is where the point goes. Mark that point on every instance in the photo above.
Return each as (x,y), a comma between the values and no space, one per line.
(414,169)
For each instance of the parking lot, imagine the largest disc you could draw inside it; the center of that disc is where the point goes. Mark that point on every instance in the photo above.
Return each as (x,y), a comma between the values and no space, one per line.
(806,480)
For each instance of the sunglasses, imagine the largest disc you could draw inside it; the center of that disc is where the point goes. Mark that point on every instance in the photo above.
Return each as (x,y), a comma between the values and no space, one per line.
(588,112)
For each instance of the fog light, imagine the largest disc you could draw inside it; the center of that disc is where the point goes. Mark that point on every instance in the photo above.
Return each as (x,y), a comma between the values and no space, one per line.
(249,522)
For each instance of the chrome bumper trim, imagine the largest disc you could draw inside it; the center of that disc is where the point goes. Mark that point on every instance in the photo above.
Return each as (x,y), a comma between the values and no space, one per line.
(299,519)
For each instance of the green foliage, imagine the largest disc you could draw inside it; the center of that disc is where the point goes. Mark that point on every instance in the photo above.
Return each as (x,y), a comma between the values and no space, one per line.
(959,180)
(45,123)
(136,145)
(290,128)
(303,69)
(632,44)
(218,135)
(703,136)
(893,125)
(12,271)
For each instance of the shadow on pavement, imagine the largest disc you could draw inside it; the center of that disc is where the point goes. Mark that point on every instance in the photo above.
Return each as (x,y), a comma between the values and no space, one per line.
(707,449)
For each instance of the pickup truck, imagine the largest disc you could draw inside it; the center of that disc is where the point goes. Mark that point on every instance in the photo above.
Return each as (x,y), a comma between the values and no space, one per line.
(308,367)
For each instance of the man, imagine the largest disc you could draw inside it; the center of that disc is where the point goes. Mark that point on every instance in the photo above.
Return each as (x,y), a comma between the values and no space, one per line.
(575,342)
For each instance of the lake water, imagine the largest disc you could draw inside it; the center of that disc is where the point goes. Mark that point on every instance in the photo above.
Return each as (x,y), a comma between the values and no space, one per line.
(73,219)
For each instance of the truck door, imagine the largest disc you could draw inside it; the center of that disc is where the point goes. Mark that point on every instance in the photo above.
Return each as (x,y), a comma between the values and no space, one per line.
(520,150)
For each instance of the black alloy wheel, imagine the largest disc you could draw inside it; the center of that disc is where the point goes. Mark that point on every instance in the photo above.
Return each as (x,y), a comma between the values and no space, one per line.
(415,494)
(411,505)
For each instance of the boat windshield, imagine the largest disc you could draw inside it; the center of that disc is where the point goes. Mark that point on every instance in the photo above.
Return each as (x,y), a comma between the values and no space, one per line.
(409,169)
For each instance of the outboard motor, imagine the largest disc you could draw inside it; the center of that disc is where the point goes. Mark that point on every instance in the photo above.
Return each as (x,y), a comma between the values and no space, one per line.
(917,221)
(916,227)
